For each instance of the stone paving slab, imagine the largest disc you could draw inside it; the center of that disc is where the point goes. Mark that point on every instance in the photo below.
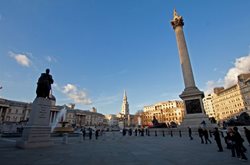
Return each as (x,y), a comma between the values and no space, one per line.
(114,149)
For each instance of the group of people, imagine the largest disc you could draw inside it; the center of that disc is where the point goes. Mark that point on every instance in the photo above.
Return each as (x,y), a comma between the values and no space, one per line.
(204,135)
(144,132)
(233,140)
(137,131)
(89,132)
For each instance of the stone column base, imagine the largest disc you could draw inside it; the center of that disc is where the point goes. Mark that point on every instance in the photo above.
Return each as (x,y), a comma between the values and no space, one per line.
(35,137)
(194,121)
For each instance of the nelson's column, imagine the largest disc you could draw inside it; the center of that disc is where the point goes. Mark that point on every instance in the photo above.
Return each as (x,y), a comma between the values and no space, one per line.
(192,96)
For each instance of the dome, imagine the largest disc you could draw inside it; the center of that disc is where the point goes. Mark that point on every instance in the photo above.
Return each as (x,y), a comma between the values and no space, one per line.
(52,97)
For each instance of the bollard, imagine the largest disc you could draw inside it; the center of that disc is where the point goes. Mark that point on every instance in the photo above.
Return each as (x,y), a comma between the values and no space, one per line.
(80,137)
(171,133)
(65,138)
(163,134)
(180,133)
(155,133)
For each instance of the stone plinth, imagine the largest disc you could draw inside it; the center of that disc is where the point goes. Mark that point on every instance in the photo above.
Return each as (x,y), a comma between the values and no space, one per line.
(37,132)
(195,113)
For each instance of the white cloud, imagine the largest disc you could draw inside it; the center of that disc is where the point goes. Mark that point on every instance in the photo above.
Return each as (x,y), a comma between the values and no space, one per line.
(51,59)
(210,85)
(79,96)
(21,59)
(241,65)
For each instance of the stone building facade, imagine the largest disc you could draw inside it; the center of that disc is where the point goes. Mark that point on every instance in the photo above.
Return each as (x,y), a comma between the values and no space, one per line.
(80,118)
(234,100)
(14,111)
(208,105)
(165,112)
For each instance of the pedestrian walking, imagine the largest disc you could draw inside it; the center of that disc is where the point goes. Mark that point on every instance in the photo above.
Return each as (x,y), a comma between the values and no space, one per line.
(217,139)
(231,141)
(247,134)
(130,131)
(200,132)
(146,131)
(190,133)
(90,133)
(240,149)
(123,131)
(205,133)
(180,133)
(96,134)
(83,133)
(136,132)
(142,132)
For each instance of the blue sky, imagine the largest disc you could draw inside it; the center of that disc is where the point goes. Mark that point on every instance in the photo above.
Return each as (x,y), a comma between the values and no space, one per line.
(96,49)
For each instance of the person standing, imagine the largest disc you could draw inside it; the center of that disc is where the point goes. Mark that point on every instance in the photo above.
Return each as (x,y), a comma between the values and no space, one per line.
(83,133)
(205,133)
(190,133)
(96,134)
(217,139)
(239,144)
(90,133)
(247,134)
(123,131)
(136,132)
(200,132)
(142,132)
(231,142)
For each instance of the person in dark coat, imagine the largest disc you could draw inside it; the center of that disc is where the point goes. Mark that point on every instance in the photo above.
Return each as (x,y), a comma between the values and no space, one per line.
(217,139)
(231,142)
(124,131)
(130,132)
(142,132)
(190,133)
(90,133)
(96,134)
(83,133)
(247,134)
(200,132)
(205,133)
(239,144)
(136,132)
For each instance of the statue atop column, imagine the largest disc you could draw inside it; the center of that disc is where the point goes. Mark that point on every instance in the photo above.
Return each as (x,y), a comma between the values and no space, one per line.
(44,85)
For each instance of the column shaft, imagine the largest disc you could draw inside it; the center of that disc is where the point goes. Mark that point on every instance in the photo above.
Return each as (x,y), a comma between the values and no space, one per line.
(184,58)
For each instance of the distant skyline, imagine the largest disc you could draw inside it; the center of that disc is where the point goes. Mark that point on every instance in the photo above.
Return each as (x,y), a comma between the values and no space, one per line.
(96,49)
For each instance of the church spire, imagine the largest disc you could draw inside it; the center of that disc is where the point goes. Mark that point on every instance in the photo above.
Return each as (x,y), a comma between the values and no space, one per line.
(125,95)
(125,105)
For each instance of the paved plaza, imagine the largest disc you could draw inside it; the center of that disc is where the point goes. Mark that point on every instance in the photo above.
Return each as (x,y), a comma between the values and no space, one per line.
(114,149)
